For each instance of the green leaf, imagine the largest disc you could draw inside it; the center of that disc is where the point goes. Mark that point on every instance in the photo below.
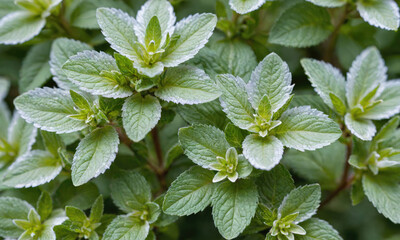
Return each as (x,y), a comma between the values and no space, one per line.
(5,119)
(194,32)
(364,129)
(49,109)
(365,74)
(338,105)
(274,185)
(33,169)
(19,27)
(153,33)
(61,50)
(75,214)
(97,210)
(79,100)
(44,205)
(272,78)
(6,7)
(325,164)
(301,25)
(234,205)
(263,153)
(187,85)
(390,104)
(234,100)
(130,191)
(234,135)
(4,87)
(140,115)
(383,14)
(313,101)
(318,229)
(328,3)
(117,27)
(384,192)
(190,193)
(12,208)
(304,128)
(94,154)
(203,144)
(127,228)
(21,135)
(246,6)
(302,200)
(81,197)
(52,142)
(326,80)
(87,70)
(209,113)
(35,69)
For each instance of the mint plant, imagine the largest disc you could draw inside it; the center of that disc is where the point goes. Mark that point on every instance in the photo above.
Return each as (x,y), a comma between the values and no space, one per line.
(170,119)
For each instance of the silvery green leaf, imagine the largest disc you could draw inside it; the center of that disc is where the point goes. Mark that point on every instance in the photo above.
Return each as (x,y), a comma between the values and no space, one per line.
(234,100)
(4,119)
(384,192)
(21,135)
(209,113)
(366,73)
(325,79)
(140,115)
(85,70)
(390,105)
(130,191)
(33,169)
(7,6)
(4,87)
(48,109)
(302,200)
(190,193)
(234,205)
(364,129)
(246,6)
(61,50)
(263,153)
(94,154)
(302,25)
(117,26)
(187,85)
(81,197)
(318,229)
(304,128)
(383,14)
(325,164)
(203,144)
(127,228)
(163,10)
(12,208)
(313,101)
(272,78)
(194,32)
(328,3)
(35,69)
(19,27)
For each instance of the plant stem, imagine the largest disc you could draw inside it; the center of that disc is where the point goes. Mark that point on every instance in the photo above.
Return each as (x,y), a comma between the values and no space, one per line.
(161,173)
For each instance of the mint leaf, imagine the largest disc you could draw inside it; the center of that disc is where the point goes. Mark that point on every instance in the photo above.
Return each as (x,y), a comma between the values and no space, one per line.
(328,3)
(318,229)
(203,144)
(384,192)
(209,113)
(304,128)
(44,205)
(126,228)
(35,69)
(366,73)
(130,191)
(61,50)
(21,135)
(33,169)
(6,7)
(234,100)
(75,214)
(194,32)
(81,197)
(246,6)
(234,205)
(364,129)
(140,115)
(52,142)
(272,78)
(4,87)
(19,27)
(49,109)
(12,208)
(87,70)
(190,193)
(187,85)
(383,14)
(94,154)
(301,25)
(263,153)
(325,79)
(302,200)
(96,212)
